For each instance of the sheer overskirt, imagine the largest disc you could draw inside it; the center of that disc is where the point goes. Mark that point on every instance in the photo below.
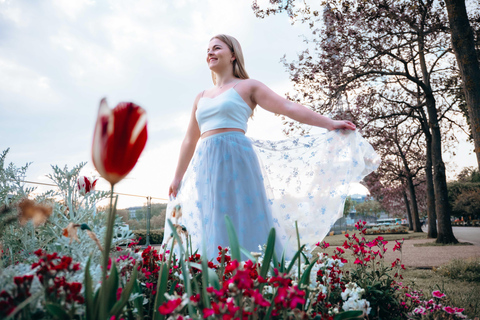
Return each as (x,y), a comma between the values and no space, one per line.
(262,184)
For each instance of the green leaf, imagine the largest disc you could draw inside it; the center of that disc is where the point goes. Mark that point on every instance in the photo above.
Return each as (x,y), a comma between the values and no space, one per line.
(111,288)
(87,283)
(22,305)
(57,311)
(206,298)
(268,253)
(305,279)
(188,285)
(295,257)
(138,302)
(248,254)
(352,314)
(272,304)
(282,262)
(212,275)
(161,288)
(126,292)
(275,261)
(233,239)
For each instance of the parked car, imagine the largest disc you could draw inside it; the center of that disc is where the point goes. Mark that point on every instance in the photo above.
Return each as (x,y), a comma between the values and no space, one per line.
(389,222)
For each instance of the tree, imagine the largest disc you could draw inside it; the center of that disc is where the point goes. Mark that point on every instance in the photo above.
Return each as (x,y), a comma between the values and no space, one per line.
(464,47)
(393,48)
(468,203)
(370,207)
(348,206)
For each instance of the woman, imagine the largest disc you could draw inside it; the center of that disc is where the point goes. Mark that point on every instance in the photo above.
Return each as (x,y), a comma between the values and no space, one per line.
(222,175)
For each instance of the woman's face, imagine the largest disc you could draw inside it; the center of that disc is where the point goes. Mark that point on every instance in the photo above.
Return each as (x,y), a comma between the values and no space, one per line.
(219,55)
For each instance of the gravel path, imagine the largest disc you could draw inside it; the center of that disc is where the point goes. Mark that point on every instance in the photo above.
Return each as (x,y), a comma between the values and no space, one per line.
(428,257)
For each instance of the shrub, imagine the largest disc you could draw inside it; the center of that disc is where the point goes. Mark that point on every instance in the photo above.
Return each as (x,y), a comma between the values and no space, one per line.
(156,236)
(396,229)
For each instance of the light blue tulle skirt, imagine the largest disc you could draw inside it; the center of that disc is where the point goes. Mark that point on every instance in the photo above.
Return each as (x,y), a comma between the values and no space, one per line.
(264,184)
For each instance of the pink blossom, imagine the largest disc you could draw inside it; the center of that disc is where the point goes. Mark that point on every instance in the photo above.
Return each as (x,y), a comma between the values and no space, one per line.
(449,310)
(169,306)
(438,294)
(149,285)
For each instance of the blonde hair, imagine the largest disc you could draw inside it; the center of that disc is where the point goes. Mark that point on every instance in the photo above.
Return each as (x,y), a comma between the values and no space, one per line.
(238,64)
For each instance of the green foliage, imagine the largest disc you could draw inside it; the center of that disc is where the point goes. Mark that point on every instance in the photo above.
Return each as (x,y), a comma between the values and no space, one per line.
(19,242)
(463,197)
(466,270)
(11,181)
(368,208)
(156,209)
(469,174)
(156,236)
(468,202)
(348,206)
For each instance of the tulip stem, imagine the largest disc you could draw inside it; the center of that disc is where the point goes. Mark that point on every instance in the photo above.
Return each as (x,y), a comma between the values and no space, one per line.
(108,238)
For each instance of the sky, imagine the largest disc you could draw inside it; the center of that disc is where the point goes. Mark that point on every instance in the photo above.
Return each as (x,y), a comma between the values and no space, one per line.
(58,58)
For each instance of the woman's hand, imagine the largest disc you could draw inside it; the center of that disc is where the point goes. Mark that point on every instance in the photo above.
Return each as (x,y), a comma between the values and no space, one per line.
(173,189)
(343,124)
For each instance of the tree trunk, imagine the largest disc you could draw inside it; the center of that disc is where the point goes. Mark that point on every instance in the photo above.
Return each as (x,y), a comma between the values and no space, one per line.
(413,199)
(464,47)
(442,207)
(409,214)
(432,216)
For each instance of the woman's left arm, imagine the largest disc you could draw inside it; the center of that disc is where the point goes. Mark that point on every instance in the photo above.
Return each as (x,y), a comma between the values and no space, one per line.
(270,101)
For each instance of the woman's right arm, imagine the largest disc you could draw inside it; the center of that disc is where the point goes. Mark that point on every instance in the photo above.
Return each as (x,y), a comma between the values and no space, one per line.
(186,151)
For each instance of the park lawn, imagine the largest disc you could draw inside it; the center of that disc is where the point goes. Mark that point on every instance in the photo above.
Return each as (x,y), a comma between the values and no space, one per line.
(463,294)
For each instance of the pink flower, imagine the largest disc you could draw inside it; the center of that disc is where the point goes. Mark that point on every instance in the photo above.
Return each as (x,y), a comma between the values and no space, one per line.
(438,294)
(207,313)
(449,310)
(358,261)
(149,285)
(459,310)
(243,280)
(119,138)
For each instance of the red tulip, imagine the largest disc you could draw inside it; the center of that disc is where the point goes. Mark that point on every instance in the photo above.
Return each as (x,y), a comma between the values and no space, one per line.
(119,138)
(85,185)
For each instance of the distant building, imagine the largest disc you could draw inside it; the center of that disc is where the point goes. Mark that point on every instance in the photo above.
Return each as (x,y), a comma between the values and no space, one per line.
(132,212)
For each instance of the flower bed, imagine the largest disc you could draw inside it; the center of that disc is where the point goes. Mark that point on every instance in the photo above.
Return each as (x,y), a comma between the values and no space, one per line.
(394,229)
(264,286)
(156,236)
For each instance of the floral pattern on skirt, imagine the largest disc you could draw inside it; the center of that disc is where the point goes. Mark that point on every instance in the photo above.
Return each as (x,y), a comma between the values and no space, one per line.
(262,184)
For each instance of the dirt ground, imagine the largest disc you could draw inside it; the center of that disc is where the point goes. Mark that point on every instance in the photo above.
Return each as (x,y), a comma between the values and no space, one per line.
(430,256)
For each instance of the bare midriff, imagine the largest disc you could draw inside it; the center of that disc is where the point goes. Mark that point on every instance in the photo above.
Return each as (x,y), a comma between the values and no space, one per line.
(215,131)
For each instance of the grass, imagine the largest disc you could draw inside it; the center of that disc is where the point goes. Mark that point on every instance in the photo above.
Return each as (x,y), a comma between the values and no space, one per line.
(457,269)
(461,293)
(434,244)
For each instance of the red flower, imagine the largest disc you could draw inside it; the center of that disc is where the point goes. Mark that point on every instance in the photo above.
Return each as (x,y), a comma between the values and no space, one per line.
(85,185)
(119,138)
(243,280)
(358,261)
(169,306)
(259,299)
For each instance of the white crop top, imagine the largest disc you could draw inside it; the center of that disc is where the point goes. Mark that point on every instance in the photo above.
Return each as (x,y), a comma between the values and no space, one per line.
(227,110)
